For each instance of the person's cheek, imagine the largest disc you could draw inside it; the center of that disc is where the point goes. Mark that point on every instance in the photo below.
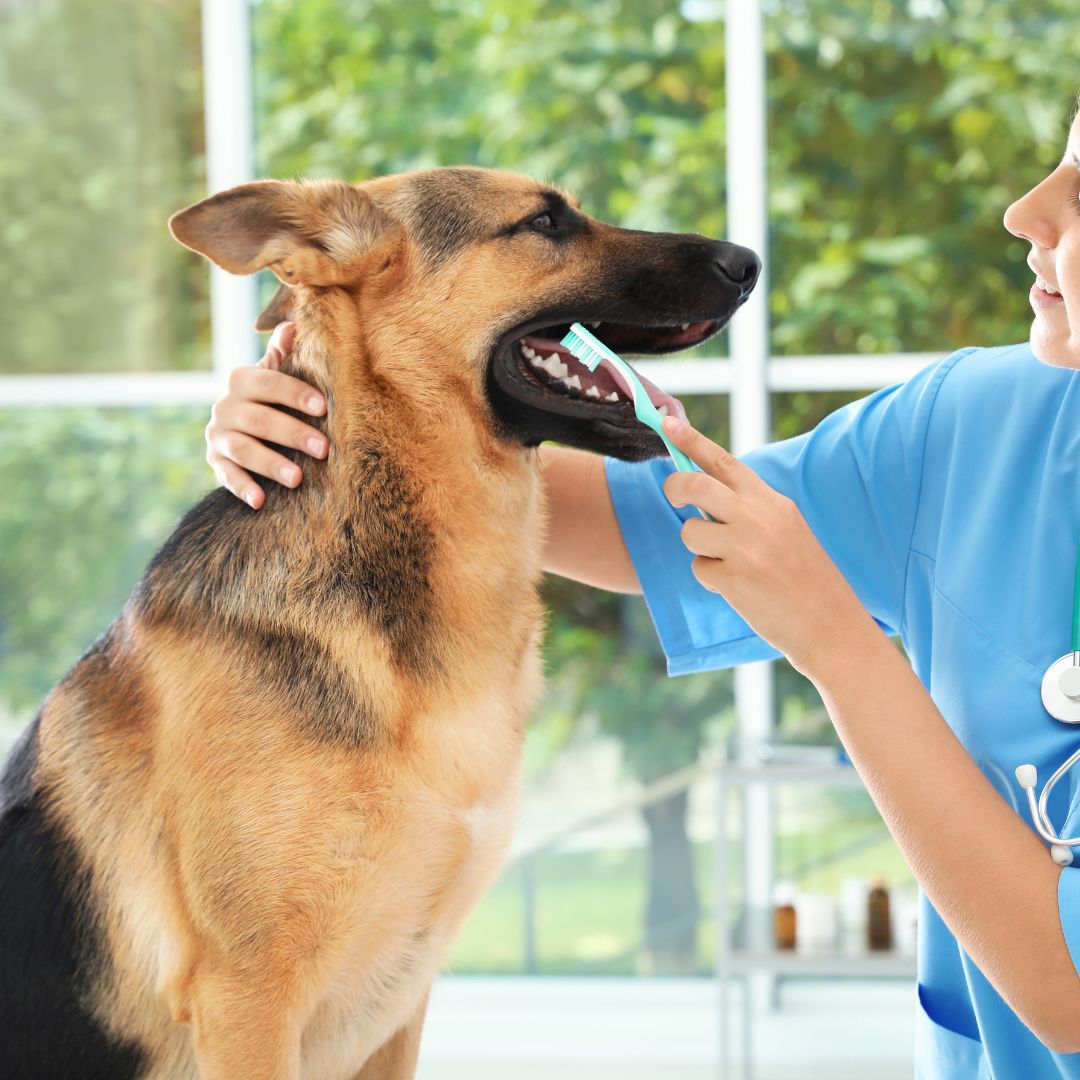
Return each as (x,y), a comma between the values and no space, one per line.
(1069,275)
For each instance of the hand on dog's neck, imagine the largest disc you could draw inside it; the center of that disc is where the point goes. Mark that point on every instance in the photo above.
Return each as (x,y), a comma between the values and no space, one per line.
(433,427)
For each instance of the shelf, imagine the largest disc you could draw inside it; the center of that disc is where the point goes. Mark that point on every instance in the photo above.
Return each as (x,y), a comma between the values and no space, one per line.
(748,955)
(779,774)
(886,965)
(751,948)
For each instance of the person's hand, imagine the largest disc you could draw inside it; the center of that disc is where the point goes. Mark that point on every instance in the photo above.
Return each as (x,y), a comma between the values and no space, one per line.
(761,555)
(244,417)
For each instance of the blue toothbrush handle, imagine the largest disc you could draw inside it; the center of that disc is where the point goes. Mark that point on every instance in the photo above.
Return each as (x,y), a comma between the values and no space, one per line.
(684,464)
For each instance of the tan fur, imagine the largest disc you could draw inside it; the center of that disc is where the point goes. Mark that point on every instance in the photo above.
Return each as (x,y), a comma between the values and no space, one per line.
(276,906)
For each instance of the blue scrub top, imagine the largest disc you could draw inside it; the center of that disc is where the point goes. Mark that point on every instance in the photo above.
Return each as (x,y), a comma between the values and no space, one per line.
(951,503)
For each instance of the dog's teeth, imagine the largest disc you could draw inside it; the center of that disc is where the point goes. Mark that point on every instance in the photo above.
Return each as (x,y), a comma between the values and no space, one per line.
(573,382)
(594,325)
(663,410)
(557,367)
(529,352)
(686,326)
(612,396)
(592,392)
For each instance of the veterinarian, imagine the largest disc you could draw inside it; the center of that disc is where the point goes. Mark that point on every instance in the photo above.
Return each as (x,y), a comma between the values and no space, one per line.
(945,510)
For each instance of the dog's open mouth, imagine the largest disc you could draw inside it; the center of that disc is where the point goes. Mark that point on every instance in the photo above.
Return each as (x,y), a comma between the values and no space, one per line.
(554,368)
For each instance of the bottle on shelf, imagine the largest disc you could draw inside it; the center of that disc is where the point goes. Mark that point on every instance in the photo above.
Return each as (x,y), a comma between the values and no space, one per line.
(816,917)
(854,898)
(784,922)
(878,922)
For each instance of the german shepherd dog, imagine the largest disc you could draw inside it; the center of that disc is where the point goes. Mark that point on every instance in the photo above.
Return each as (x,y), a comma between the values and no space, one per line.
(240,835)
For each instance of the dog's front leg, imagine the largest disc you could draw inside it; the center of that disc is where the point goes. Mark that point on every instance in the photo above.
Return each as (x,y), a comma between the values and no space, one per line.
(396,1058)
(240,1030)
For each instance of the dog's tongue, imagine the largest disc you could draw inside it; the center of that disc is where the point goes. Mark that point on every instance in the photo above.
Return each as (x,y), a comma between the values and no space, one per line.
(545,346)
(657,396)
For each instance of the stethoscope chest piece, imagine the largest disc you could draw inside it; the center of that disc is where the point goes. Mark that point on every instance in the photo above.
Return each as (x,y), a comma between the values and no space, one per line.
(1061,699)
(1061,689)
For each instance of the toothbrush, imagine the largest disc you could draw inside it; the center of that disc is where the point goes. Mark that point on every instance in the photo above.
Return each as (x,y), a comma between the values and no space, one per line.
(591,351)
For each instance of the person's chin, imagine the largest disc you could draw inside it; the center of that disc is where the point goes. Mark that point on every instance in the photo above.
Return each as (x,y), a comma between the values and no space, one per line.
(1055,344)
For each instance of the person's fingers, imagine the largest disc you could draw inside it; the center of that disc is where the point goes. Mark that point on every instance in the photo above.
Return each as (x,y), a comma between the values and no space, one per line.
(712,457)
(279,346)
(252,455)
(272,425)
(710,573)
(703,491)
(274,388)
(239,482)
(706,538)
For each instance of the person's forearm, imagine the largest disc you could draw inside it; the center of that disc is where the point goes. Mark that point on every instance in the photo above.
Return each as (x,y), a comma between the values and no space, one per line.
(987,874)
(583,539)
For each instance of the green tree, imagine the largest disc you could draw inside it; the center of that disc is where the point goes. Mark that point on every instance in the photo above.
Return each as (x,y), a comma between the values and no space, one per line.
(101,109)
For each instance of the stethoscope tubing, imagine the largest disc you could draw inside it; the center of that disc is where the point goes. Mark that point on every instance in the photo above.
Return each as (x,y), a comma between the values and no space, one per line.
(1039,816)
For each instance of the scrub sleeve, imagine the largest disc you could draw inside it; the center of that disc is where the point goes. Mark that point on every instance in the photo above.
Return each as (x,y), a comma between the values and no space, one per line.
(855,478)
(1069,907)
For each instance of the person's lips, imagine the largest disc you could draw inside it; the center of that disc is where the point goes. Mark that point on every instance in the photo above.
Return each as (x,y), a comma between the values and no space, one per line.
(1044,296)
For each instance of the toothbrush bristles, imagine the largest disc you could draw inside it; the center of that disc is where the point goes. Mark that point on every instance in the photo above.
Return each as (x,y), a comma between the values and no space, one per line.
(582,350)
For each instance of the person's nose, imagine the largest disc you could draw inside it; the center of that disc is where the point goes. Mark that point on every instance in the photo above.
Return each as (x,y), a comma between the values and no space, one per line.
(1030,218)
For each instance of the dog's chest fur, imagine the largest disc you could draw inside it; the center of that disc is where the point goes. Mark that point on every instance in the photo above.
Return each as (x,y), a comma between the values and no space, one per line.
(455,854)
(331,861)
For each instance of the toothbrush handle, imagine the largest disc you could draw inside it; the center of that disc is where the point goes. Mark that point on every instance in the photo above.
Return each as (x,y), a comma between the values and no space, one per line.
(684,464)
(681,460)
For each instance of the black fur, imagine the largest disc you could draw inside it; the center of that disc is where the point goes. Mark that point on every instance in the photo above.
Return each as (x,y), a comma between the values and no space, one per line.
(301,670)
(380,570)
(386,558)
(49,954)
(439,210)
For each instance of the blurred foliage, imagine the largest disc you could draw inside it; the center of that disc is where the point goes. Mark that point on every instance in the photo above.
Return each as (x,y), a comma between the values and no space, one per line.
(101,110)
(606,675)
(90,495)
(619,100)
(899,132)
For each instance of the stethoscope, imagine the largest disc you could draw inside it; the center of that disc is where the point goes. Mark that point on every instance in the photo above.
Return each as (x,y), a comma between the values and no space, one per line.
(1061,698)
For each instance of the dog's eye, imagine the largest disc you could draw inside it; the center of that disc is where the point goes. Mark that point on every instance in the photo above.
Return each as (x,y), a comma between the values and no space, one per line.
(545,222)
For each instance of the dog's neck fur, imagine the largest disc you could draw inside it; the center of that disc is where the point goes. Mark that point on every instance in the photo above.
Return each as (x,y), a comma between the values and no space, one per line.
(431,430)
(382,517)
(375,567)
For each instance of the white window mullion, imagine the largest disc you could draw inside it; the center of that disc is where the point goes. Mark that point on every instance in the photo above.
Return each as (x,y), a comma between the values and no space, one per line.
(679,377)
(747,224)
(107,390)
(230,160)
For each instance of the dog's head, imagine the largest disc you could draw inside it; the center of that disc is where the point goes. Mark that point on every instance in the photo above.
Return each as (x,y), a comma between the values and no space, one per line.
(464,280)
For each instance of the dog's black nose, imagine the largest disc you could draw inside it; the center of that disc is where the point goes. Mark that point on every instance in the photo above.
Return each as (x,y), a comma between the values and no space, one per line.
(738,264)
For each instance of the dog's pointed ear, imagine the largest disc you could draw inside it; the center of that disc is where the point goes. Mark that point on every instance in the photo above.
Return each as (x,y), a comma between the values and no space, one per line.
(313,233)
(277,311)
